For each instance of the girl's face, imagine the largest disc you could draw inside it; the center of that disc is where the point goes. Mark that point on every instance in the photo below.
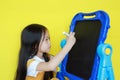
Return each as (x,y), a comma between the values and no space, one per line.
(45,45)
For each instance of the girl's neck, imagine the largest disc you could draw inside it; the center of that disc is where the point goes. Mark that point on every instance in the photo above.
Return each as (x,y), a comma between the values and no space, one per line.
(40,55)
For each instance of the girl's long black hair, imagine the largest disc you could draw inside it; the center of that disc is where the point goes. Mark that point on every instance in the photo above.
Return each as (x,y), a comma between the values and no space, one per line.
(30,39)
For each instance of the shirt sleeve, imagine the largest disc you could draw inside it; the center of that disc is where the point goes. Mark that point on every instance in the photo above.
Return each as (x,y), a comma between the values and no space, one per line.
(31,69)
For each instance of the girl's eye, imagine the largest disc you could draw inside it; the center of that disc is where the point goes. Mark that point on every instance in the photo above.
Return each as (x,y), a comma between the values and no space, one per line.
(47,39)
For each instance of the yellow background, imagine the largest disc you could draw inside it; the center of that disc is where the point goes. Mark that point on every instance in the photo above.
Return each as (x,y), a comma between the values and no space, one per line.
(57,16)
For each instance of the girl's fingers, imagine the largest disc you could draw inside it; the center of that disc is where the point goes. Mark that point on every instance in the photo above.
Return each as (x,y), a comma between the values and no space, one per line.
(72,33)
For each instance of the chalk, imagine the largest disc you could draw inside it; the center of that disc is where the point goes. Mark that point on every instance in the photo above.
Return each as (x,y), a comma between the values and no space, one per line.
(65,33)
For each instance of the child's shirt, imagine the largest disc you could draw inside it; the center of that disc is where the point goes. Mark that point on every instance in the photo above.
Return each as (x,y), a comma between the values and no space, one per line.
(32,74)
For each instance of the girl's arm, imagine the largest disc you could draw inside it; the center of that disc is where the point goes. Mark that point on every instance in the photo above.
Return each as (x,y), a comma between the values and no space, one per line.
(55,61)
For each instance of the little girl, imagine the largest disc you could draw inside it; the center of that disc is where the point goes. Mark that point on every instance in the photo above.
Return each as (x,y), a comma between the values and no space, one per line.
(34,61)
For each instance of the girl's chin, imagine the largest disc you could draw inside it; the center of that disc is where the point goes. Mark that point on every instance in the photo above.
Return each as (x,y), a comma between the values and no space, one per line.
(48,51)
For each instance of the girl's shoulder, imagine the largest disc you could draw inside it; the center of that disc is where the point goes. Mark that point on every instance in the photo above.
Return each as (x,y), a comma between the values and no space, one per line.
(32,65)
(30,61)
(34,59)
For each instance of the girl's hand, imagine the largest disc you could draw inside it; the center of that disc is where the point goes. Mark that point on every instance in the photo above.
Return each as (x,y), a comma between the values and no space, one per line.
(71,39)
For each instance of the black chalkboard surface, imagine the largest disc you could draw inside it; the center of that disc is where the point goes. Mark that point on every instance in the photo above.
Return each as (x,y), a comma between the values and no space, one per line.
(81,57)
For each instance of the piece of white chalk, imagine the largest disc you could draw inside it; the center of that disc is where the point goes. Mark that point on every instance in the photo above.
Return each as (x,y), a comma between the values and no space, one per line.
(65,33)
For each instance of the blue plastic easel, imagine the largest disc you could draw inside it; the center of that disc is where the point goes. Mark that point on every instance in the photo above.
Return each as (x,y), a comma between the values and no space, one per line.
(102,64)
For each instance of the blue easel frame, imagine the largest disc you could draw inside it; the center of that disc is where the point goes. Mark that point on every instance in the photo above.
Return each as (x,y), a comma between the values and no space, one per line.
(98,66)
